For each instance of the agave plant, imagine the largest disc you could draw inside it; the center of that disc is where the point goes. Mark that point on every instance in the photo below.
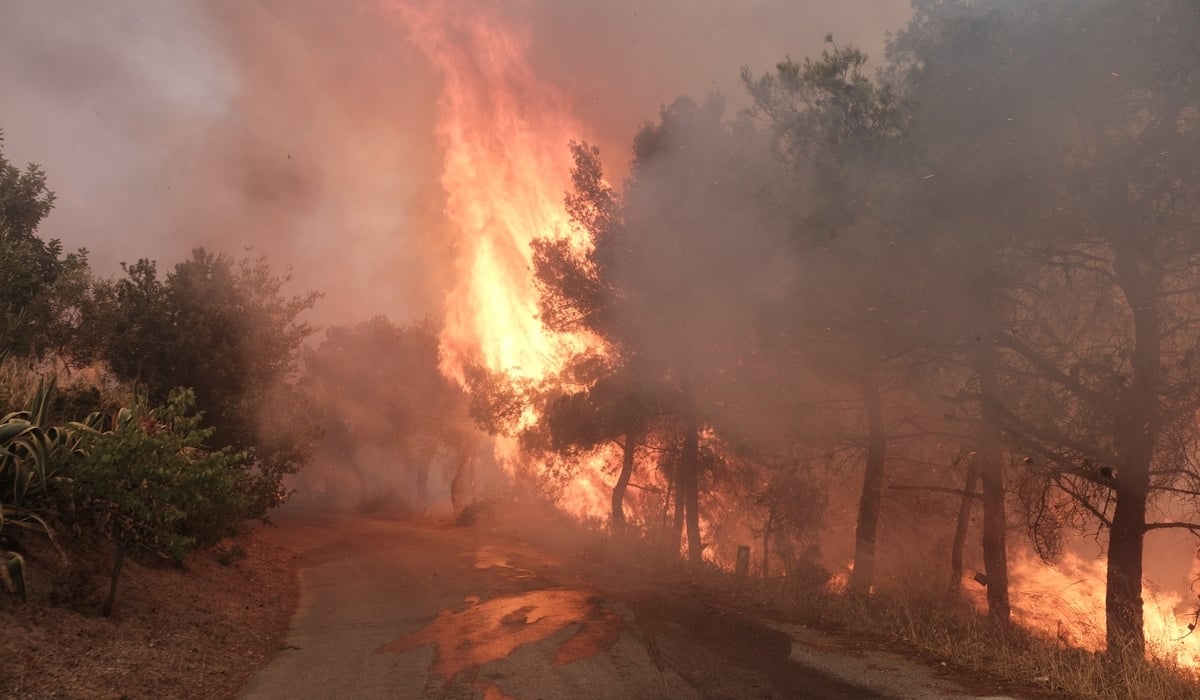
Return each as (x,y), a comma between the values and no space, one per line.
(31,456)
(26,446)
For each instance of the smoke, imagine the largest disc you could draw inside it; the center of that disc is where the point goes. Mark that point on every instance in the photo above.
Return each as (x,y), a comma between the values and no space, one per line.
(101,95)
(305,129)
(621,61)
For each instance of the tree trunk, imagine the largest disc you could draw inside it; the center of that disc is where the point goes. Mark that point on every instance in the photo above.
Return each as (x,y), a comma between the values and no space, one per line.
(618,496)
(862,577)
(990,454)
(767,540)
(962,526)
(1138,424)
(668,504)
(689,483)
(462,486)
(118,562)
(1123,598)
(678,512)
(424,463)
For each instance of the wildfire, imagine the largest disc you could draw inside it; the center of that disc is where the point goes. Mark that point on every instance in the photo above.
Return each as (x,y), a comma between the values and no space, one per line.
(1066,602)
(504,134)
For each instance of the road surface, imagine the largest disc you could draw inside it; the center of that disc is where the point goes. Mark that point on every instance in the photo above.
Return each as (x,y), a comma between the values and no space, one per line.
(391,609)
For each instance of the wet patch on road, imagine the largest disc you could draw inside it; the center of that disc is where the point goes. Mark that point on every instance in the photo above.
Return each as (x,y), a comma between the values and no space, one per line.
(491,630)
(495,558)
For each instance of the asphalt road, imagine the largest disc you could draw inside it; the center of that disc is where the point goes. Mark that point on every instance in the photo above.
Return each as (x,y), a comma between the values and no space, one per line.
(390,609)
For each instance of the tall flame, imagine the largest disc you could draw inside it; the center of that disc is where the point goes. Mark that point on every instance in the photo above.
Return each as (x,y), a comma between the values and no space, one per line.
(504,134)
(507,166)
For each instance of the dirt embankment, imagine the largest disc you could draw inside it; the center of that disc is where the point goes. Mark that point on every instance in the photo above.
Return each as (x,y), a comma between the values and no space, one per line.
(200,630)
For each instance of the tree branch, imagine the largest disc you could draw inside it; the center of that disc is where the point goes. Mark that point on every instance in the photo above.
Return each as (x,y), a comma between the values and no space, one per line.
(939,489)
(1047,368)
(1193,527)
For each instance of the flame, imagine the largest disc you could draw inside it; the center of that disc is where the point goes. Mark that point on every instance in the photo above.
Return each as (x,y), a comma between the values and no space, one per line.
(1066,601)
(839,583)
(504,134)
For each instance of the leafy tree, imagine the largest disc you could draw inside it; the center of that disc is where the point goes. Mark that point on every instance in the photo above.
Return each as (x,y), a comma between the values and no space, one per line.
(36,278)
(974,204)
(224,329)
(1067,133)
(842,137)
(1128,187)
(611,410)
(579,293)
(698,261)
(665,285)
(377,387)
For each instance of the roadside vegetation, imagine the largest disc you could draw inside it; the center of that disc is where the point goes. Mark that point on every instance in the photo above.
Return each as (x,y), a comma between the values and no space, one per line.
(130,408)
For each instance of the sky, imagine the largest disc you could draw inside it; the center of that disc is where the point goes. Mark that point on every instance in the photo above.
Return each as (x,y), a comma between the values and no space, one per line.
(303,130)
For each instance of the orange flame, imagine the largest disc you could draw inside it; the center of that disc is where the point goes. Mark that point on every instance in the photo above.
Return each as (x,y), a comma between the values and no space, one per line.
(505,136)
(506,167)
(1066,602)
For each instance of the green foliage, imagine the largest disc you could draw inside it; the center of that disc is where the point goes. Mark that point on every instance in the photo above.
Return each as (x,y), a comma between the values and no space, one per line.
(39,285)
(223,328)
(150,482)
(826,103)
(33,457)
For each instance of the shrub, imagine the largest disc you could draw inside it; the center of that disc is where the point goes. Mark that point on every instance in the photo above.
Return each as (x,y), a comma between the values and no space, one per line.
(151,483)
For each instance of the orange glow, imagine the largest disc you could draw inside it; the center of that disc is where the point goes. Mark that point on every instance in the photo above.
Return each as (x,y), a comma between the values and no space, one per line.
(1066,602)
(488,631)
(507,166)
(504,135)
(839,583)
(589,494)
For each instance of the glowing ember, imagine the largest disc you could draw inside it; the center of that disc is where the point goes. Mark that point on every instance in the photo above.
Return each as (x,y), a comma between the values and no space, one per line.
(839,582)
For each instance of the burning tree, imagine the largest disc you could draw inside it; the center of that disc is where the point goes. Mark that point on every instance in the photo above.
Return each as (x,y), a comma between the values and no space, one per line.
(1017,226)
(1072,144)
(577,294)
(830,121)
(668,285)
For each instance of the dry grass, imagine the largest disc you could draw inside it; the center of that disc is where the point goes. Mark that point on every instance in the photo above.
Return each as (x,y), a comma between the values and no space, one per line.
(965,638)
(912,613)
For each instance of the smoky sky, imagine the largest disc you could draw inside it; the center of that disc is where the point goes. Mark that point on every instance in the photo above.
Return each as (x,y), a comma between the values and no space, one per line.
(303,129)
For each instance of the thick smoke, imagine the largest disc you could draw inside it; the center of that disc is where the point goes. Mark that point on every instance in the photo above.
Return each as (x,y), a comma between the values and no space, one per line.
(305,129)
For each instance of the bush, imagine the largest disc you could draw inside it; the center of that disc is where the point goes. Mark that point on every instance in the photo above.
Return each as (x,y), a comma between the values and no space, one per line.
(150,483)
